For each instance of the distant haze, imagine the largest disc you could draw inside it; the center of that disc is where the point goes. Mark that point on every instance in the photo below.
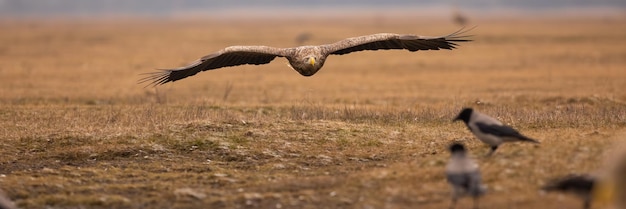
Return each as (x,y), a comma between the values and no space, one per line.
(89,8)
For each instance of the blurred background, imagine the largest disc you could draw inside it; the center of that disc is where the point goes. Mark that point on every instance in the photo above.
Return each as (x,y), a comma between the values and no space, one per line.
(370,130)
(108,44)
(168,8)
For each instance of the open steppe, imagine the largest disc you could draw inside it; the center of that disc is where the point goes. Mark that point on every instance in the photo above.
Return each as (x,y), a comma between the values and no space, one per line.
(369,130)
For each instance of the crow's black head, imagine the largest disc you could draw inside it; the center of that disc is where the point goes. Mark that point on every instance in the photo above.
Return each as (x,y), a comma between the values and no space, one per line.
(457,147)
(465,115)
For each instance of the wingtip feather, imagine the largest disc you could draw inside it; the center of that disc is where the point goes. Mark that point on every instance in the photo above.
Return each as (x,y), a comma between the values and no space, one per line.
(154,79)
(459,35)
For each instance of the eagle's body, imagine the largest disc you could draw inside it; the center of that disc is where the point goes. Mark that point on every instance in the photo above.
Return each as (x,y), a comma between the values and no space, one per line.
(307,60)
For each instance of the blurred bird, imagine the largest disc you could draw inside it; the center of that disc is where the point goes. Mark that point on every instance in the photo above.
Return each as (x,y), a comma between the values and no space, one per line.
(614,189)
(303,37)
(580,185)
(463,175)
(606,188)
(458,17)
(5,202)
(610,190)
(489,130)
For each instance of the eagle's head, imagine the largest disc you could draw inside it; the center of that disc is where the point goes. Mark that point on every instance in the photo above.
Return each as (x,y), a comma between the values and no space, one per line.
(307,60)
(307,65)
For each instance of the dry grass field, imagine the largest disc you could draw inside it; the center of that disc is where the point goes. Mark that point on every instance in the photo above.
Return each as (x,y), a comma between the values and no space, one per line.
(370,130)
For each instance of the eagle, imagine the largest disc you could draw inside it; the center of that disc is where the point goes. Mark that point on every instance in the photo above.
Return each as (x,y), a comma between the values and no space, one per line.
(307,60)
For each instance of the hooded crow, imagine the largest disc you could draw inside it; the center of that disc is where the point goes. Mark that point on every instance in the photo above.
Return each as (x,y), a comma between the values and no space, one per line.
(463,175)
(489,130)
(580,185)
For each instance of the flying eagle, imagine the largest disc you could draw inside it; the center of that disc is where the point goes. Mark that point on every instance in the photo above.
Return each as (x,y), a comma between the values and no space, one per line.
(307,60)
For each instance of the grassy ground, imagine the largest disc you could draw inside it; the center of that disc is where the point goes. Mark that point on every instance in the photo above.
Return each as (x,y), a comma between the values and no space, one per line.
(370,130)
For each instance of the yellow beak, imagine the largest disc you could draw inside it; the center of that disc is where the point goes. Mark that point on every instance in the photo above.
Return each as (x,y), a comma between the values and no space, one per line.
(312,61)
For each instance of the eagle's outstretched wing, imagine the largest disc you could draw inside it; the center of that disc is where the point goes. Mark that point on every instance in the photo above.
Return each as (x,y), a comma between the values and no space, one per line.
(384,41)
(230,56)
(257,55)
